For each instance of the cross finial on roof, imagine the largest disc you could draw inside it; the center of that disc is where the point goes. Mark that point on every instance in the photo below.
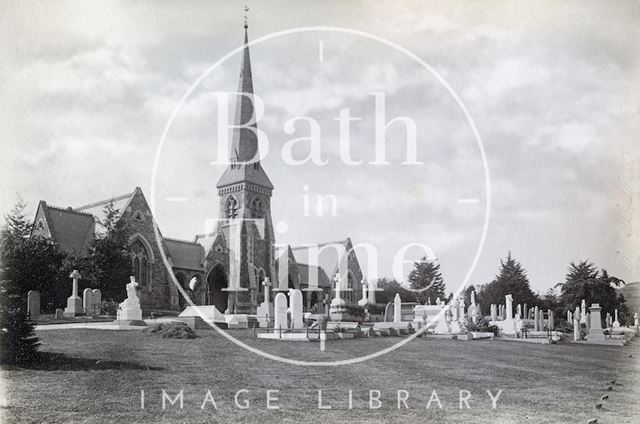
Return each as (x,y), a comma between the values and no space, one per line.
(246,19)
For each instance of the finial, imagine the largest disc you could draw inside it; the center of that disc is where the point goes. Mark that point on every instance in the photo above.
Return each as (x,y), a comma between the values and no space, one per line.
(246,20)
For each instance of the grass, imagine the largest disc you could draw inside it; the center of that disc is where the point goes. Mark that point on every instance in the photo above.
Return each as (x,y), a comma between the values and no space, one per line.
(96,376)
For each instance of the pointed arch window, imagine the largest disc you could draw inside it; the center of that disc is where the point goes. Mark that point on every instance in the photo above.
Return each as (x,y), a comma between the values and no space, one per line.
(231,208)
(257,208)
(140,263)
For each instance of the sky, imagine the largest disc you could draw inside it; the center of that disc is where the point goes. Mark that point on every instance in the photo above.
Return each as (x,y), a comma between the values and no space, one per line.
(88,88)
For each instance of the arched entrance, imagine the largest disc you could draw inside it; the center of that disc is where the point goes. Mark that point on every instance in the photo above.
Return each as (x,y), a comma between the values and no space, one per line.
(216,281)
(182,280)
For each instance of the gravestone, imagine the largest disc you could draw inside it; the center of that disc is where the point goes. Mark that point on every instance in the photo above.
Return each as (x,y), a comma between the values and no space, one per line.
(583,315)
(525,312)
(616,323)
(297,320)
(494,312)
(264,314)
(551,320)
(461,310)
(595,327)
(87,301)
(280,312)
(33,305)
(569,317)
(74,303)
(635,320)
(576,328)
(509,307)
(397,309)
(541,316)
(59,314)
(608,322)
(536,319)
(129,310)
(97,301)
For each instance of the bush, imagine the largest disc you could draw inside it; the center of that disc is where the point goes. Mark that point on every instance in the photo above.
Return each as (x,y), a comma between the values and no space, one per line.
(482,326)
(355,311)
(110,307)
(18,343)
(376,309)
(322,322)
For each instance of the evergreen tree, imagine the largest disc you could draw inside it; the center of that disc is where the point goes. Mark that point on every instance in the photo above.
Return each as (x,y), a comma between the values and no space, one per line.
(31,263)
(512,279)
(18,344)
(426,281)
(583,281)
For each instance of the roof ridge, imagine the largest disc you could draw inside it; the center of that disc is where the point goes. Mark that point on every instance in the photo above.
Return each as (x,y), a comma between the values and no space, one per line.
(345,241)
(180,240)
(106,201)
(68,209)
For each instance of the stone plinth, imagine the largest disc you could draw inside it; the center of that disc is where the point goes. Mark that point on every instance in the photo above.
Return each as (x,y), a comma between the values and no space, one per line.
(129,310)
(595,329)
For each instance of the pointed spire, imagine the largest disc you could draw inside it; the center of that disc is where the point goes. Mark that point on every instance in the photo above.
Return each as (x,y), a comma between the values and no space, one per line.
(245,140)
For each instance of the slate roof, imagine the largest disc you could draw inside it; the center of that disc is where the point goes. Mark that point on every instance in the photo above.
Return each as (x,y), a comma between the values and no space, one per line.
(327,256)
(72,230)
(185,254)
(305,270)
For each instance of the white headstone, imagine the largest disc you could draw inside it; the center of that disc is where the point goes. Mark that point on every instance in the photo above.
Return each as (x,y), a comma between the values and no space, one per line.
(583,316)
(536,319)
(280,312)
(397,309)
(616,323)
(297,320)
(74,303)
(509,309)
(494,312)
(97,301)
(635,320)
(59,314)
(519,311)
(33,305)
(552,324)
(87,301)
(576,329)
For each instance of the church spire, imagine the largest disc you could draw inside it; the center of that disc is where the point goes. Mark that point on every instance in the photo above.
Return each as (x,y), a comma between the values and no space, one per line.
(244,147)
(245,140)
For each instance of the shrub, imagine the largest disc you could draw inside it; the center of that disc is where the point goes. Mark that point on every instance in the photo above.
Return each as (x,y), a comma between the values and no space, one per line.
(18,343)
(376,309)
(110,307)
(356,311)
(322,322)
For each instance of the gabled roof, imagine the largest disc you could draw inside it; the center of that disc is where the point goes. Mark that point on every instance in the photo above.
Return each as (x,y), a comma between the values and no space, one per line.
(185,254)
(331,257)
(308,270)
(72,230)
(120,203)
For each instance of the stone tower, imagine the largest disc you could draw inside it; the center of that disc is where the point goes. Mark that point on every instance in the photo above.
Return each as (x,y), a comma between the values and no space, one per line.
(245,195)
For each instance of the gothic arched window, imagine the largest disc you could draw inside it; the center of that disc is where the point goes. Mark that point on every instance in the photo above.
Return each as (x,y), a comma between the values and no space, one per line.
(257,208)
(231,208)
(140,263)
(350,285)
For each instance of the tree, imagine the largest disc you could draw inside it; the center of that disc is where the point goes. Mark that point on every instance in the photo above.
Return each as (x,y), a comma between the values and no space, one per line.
(108,264)
(18,344)
(389,290)
(426,281)
(31,263)
(584,281)
(511,279)
(467,294)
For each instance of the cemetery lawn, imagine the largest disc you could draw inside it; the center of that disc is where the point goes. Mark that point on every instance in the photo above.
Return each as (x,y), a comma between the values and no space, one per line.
(96,376)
